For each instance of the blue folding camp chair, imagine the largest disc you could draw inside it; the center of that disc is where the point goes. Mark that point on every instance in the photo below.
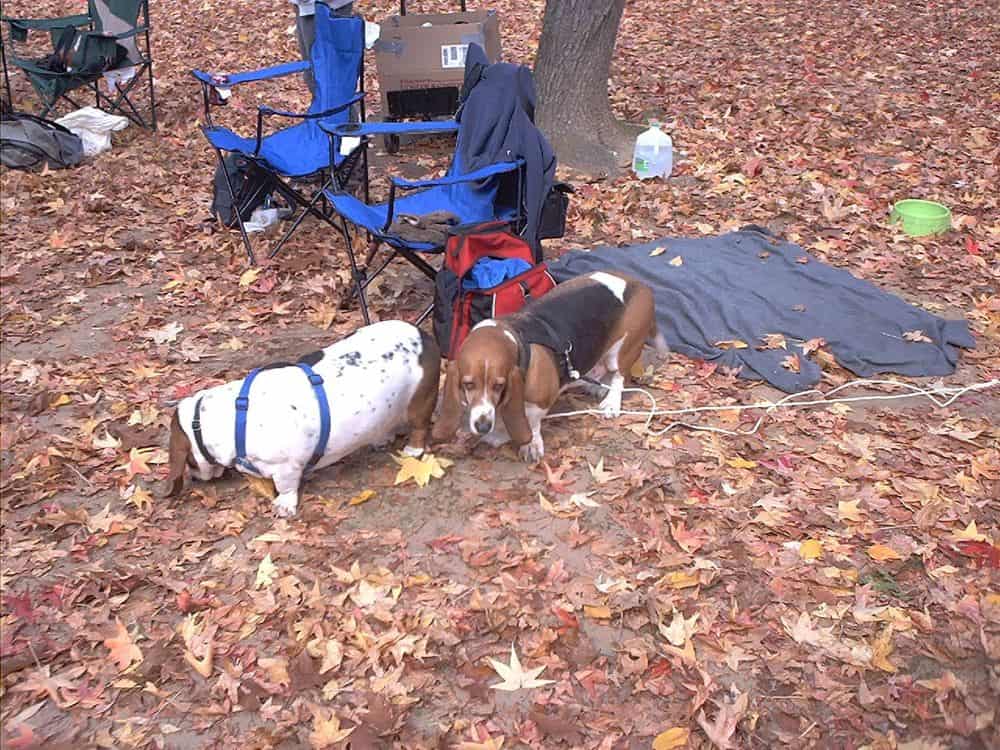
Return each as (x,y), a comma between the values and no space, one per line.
(472,197)
(301,151)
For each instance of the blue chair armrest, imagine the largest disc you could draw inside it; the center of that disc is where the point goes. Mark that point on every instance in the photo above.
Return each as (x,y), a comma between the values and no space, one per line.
(358,130)
(265,110)
(474,176)
(227,80)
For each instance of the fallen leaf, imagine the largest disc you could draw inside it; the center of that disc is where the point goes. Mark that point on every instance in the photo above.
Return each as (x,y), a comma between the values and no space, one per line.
(917,336)
(741,463)
(658,251)
(362,497)
(731,344)
(677,261)
(791,362)
(810,549)
(515,677)
(420,470)
(597,612)
(847,510)
(124,652)
(720,732)
(970,534)
(672,738)
(882,553)
(680,629)
(266,571)
(326,730)
(600,475)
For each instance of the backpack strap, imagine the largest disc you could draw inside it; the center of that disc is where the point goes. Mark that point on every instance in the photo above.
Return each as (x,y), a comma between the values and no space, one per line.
(324,413)
(242,404)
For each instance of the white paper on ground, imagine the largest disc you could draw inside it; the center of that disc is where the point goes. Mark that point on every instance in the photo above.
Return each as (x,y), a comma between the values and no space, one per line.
(372,33)
(94,126)
(122,75)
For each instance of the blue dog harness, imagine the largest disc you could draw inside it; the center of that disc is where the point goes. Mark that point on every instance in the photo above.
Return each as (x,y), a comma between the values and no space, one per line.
(243,404)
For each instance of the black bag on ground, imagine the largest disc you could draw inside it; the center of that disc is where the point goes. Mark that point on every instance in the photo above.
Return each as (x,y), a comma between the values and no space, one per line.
(29,142)
(552,223)
(251,186)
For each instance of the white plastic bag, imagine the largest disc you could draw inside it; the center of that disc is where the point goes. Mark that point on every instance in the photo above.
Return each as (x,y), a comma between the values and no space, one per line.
(94,126)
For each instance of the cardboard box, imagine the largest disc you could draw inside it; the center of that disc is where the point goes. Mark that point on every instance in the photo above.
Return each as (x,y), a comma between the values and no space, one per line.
(412,55)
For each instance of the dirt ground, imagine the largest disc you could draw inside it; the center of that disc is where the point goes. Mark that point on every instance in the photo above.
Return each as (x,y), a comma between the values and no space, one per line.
(831,580)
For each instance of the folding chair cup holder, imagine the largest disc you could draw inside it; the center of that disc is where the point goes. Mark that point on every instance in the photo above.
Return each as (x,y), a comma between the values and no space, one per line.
(300,153)
(124,21)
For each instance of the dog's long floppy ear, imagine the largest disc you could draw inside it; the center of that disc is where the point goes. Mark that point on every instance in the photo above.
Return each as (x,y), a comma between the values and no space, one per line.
(451,407)
(512,409)
(180,448)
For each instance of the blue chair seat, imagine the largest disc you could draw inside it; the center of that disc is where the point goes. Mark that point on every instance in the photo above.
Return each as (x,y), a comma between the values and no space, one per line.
(295,151)
(372,216)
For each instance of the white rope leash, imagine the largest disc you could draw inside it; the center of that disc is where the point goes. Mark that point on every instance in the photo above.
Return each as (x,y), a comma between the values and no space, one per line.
(789,401)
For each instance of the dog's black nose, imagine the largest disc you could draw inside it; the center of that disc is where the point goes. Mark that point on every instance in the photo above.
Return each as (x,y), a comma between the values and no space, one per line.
(484,425)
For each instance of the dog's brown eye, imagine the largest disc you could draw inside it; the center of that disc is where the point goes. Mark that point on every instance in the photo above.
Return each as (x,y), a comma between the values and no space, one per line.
(498,386)
(467,385)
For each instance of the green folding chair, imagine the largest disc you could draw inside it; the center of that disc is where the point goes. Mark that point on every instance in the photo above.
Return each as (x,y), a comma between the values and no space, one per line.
(115,31)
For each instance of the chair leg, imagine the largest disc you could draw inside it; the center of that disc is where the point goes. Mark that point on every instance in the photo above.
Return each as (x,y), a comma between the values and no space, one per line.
(356,274)
(424,315)
(152,95)
(236,208)
(295,224)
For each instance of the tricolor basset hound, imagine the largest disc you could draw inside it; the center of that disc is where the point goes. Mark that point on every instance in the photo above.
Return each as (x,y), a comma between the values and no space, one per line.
(593,326)
(373,382)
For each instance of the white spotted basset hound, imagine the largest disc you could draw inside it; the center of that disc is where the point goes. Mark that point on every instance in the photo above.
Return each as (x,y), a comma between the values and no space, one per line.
(593,326)
(373,382)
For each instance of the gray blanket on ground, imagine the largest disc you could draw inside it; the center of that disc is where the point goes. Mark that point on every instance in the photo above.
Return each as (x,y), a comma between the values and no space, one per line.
(745,285)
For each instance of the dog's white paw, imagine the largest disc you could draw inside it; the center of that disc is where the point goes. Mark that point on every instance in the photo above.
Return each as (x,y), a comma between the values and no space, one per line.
(413,451)
(285,506)
(532,452)
(611,406)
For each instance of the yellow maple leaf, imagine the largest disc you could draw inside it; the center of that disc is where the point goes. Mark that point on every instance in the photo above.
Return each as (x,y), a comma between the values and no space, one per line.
(420,470)
(265,572)
(672,738)
(362,497)
(810,549)
(882,553)
(249,276)
(60,400)
(847,510)
(681,579)
(881,648)
(261,486)
(598,612)
(741,463)
(141,499)
(971,534)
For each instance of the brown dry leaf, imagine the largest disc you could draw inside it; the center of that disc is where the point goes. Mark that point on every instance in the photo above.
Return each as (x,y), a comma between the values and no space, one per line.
(326,731)
(916,336)
(791,362)
(720,731)
(773,341)
(731,344)
(881,649)
(882,553)
(598,612)
(124,652)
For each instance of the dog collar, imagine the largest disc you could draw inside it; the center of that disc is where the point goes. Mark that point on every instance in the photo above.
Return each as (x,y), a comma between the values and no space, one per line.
(196,429)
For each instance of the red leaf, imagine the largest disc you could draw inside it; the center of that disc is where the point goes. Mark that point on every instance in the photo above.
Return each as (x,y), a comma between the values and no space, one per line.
(985,554)
(753,166)
(971,246)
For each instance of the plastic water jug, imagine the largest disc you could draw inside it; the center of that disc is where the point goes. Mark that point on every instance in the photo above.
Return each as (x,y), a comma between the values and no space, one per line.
(654,153)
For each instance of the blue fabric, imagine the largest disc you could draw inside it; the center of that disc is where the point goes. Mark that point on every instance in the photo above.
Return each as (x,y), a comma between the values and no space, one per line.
(324,414)
(490,272)
(393,128)
(242,404)
(747,284)
(225,80)
(470,207)
(304,148)
(480,174)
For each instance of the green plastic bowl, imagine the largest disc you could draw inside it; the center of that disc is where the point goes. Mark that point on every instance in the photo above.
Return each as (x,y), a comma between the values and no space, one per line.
(921,217)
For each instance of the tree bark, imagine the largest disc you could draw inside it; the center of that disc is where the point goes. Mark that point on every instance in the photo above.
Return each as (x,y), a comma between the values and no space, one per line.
(572,70)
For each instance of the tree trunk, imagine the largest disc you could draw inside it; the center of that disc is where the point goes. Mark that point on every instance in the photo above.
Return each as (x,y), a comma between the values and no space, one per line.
(572,70)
